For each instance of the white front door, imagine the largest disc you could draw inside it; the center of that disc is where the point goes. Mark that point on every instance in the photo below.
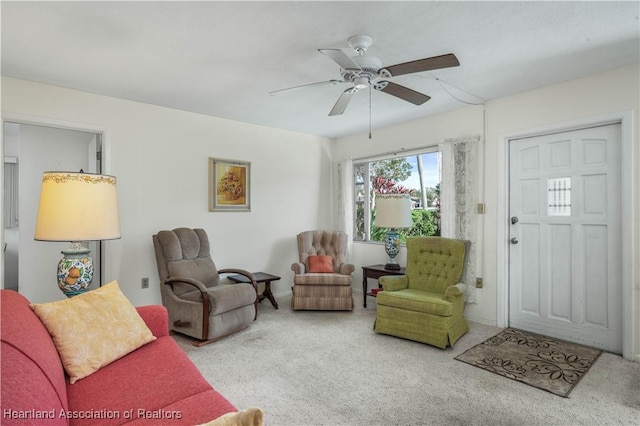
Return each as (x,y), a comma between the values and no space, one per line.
(565,269)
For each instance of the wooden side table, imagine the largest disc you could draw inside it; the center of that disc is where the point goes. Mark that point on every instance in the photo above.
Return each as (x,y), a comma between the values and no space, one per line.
(261,277)
(374,272)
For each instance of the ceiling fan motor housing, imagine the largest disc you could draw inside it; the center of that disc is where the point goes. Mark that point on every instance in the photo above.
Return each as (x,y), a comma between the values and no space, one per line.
(368,62)
(368,72)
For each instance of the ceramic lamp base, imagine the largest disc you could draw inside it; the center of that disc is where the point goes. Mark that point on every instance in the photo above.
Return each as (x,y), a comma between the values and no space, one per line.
(392,266)
(75,270)
(392,247)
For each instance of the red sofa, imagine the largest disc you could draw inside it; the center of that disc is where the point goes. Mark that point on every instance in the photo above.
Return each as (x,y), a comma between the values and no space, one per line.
(153,385)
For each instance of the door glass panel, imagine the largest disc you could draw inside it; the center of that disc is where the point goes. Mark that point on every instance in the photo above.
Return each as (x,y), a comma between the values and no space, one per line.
(559,196)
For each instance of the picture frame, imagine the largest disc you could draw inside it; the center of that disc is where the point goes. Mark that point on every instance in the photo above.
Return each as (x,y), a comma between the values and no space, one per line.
(229,185)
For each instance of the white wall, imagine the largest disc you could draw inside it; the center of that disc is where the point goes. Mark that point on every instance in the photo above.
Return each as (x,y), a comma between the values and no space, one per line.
(583,100)
(160,157)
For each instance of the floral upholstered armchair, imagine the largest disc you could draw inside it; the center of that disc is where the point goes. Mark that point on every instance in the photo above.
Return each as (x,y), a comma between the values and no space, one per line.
(427,303)
(322,279)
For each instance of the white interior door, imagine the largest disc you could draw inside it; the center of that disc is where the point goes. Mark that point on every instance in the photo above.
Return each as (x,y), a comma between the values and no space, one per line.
(565,269)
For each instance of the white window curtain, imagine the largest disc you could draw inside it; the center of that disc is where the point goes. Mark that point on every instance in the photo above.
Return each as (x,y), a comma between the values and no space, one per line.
(343,199)
(458,199)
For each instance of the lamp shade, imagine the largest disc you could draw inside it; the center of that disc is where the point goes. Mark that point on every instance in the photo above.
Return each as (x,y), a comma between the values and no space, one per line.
(77,207)
(393,211)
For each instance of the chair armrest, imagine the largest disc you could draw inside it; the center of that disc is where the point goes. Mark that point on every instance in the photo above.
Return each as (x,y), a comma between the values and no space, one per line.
(454,291)
(298,268)
(247,274)
(394,282)
(206,303)
(156,318)
(346,269)
(250,277)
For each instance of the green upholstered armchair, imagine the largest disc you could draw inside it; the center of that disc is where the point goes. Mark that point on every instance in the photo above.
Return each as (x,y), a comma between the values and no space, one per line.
(427,303)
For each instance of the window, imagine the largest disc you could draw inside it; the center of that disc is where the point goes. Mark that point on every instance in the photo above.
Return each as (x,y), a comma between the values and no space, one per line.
(417,174)
(559,196)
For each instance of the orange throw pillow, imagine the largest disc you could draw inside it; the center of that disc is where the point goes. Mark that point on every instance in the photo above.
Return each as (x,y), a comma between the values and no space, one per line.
(320,264)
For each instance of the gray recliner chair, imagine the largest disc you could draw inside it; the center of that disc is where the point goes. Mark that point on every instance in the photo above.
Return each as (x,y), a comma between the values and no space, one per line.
(199,304)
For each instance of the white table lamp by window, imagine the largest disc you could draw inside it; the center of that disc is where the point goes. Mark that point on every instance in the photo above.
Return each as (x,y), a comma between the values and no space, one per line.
(77,207)
(393,211)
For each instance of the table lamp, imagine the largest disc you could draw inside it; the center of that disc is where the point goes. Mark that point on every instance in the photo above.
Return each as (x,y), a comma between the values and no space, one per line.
(77,207)
(393,211)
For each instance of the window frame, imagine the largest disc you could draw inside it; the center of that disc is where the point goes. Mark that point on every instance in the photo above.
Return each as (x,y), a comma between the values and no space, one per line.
(366,185)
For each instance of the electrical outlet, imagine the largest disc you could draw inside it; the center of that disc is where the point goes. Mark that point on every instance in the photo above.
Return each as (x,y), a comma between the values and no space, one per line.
(479,282)
(145,282)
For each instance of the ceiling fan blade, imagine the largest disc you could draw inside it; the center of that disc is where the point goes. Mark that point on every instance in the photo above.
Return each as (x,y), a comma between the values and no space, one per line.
(320,83)
(340,58)
(427,64)
(343,101)
(401,92)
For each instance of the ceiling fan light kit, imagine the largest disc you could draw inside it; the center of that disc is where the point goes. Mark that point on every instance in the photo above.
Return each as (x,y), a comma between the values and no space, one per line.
(366,71)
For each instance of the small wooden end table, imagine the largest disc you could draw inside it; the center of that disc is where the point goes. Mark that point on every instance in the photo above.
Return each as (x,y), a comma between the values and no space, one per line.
(374,272)
(261,277)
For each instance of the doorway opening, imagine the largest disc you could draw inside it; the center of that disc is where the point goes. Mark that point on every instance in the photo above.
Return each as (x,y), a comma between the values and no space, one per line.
(29,150)
(565,271)
(629,309)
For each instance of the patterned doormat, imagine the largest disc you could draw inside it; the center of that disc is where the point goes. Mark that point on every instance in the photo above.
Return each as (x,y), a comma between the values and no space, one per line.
(546,363)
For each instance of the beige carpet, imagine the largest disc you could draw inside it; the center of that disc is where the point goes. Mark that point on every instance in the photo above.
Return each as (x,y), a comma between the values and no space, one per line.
(331,368)
(549,364)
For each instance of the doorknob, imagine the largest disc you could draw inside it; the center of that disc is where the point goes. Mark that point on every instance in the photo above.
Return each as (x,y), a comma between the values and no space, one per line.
(514,240)
(514,220)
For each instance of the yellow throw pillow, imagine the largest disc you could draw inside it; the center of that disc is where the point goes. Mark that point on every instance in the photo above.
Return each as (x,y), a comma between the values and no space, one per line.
(93,329)
(252,416)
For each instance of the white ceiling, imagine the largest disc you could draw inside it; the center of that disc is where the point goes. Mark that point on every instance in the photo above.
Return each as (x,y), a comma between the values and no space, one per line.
(223,58)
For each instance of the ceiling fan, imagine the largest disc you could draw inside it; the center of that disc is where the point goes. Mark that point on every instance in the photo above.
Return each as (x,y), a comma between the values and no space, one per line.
(366,71)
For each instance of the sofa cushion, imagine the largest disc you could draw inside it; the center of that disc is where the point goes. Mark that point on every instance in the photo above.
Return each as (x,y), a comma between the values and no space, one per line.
(156,318)
(322,279)
(416,300)
(29,361)
(252,416)
(157,383)
(93,329)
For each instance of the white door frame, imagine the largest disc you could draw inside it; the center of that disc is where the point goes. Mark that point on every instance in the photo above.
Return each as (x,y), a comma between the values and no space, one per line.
(59,124)
(629,309)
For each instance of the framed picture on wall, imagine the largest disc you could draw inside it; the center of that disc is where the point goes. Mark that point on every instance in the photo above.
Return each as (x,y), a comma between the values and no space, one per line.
(229,185)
